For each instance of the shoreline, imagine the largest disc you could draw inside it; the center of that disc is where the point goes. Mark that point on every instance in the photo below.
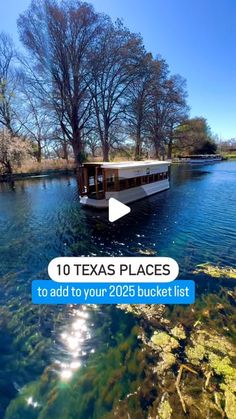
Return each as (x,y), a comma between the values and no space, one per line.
(38,174)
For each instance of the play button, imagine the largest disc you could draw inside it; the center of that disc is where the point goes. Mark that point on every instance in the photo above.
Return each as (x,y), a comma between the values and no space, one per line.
(117,210)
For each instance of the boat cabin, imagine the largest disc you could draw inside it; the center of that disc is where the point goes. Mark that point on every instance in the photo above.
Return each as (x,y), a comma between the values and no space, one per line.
(126,181)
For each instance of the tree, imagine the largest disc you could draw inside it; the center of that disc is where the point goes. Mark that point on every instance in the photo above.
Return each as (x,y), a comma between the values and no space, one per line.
(176,108)
(156,118)
(207,147)
(34,119)
(12,151)
(191,136)
(8,82)
(60,38)
(114,67)
(169,108)
(139,103)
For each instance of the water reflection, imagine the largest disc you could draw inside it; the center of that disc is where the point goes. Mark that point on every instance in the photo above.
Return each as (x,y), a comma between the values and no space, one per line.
(75,340)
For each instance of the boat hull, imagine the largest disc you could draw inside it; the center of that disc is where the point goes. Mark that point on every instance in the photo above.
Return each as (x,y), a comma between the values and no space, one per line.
(128,195)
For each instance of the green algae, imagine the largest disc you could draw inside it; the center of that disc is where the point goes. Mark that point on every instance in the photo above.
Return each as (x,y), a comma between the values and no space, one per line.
(195,354)
(164,341)
(165,410)
(216,271)
(230,404)
(178,332)
(223,367)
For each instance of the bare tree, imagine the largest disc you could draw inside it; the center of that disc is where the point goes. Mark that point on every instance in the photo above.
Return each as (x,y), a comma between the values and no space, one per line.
(155,121)
(140,103)
(176,108)
(168,108)
(8,82)
(114,67)
(34,119)
(60,37)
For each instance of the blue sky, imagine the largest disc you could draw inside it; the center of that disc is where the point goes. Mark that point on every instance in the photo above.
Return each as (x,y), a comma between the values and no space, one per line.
(196,37)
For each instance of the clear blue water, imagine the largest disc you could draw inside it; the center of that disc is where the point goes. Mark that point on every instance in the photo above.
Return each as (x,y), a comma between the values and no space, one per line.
(193,222)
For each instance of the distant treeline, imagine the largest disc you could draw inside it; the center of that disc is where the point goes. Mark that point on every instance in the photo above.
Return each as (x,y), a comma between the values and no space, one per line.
(86,85)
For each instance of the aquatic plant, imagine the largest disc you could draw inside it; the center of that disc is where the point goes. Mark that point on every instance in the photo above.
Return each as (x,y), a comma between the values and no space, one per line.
(164,341)
(165,410)
(216,271)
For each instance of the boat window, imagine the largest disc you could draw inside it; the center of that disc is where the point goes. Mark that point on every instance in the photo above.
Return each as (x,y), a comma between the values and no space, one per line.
(91,181)
(132,182)
(110,182)
(135,182)
(138,181)
(123,184)
(144,180)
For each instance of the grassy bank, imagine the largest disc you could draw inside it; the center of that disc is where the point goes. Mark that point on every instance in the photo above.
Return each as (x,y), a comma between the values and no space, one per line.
(229,155)
(33,168)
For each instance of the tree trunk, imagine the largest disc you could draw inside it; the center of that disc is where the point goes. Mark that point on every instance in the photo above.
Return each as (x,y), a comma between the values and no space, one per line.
(105,145)
(39,152)
(138,144)
(170,143)
(79,158)
(169,151)
(65,151)
(9,168)
(157,149)
(93,151)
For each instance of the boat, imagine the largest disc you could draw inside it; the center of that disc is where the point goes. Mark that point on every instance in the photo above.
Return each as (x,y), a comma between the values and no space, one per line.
(125,181)
(199,158)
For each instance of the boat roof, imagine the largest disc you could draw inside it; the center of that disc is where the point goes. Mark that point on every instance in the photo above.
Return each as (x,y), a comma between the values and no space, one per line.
(128,164)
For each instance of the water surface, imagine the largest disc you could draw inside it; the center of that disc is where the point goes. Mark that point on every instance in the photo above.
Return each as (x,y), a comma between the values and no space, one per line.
(41,218)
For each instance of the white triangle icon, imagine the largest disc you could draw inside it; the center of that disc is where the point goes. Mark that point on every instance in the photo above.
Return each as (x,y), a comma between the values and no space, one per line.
(117,210)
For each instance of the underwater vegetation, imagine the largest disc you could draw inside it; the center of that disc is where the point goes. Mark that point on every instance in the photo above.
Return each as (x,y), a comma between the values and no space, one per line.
(216,271)
(151,361)
(173,362)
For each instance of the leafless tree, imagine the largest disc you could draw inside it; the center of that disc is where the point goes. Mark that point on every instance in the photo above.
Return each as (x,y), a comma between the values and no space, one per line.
(176,109)
(114,67)
(8,82)
(35,121)
(139,103)
(168,108)
(60,37)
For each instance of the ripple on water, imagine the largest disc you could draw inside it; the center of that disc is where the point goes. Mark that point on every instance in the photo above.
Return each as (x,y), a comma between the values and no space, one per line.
(193,222)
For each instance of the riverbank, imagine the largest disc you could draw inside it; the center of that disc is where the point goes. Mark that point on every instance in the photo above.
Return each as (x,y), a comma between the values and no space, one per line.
(37,174)
(231,156)
(46,168)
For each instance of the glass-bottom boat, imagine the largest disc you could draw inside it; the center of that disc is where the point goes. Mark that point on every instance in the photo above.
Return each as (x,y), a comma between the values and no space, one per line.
(200,158)
(125,181)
